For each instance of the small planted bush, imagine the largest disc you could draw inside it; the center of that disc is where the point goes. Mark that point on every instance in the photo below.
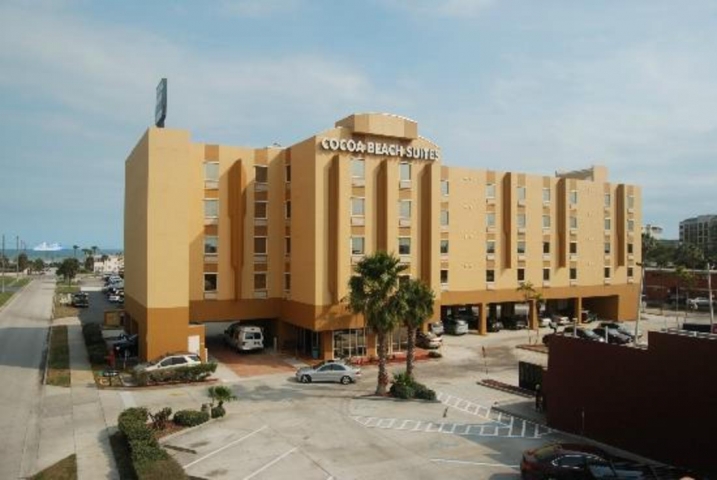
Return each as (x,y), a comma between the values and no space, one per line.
(193,373)
(190,418)
(218,411)
(161,418)
(405,387)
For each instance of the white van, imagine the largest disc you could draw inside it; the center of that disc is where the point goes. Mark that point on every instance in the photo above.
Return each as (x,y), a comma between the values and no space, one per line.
(244,338)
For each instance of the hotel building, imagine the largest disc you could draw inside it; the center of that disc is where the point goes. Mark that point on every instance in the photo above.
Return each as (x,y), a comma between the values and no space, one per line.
(270,236)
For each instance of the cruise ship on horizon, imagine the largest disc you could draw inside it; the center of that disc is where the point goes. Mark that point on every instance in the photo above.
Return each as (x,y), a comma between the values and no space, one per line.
(48,247)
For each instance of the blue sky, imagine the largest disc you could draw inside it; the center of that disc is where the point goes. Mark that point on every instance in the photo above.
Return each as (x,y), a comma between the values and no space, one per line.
(506,85)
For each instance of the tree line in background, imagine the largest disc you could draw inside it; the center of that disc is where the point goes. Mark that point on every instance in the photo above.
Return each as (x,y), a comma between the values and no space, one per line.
(669,254)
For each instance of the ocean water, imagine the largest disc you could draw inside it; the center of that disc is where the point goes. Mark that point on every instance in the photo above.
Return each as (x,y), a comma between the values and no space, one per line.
(58,255)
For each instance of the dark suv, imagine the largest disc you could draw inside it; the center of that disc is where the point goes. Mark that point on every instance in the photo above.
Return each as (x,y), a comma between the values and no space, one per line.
(81,300)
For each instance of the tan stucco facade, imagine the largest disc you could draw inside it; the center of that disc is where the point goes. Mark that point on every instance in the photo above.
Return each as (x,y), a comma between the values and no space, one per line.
(277,249)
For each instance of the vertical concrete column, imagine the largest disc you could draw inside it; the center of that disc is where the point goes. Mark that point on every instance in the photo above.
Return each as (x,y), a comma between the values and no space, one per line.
(579,309)
(482,319)
(327,344)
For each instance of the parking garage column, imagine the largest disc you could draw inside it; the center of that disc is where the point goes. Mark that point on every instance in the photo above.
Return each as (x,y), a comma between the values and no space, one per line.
(579,309)
(482,319)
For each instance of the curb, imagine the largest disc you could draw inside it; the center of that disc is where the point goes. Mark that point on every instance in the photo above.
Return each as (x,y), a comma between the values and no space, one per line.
(164,440)
(15,295)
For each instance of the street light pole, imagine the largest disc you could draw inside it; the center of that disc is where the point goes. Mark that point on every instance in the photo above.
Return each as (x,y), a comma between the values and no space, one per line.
(17,257)
(639,300)
(709,293)
(2,264)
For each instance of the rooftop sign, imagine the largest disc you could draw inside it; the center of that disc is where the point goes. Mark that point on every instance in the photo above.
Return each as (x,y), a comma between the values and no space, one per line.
(378,148)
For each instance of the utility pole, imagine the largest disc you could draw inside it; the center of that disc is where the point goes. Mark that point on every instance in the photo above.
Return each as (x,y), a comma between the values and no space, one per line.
(17,257)
(2,264)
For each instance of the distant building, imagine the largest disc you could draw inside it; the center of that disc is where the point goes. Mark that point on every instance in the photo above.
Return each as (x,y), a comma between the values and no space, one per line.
(111,263)
(654,231)
(700,231)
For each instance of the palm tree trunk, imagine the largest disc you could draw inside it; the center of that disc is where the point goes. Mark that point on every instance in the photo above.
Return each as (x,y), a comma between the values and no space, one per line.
(411,351)
(382,386)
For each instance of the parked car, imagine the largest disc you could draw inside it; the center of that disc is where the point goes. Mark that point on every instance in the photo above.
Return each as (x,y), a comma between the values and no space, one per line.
(588,317)
(557,320)
(174,360)
(620,328)
(129,344)
(613,336)
(436,328)
(561,461)
(584,333)
(495,325)
(699,303)
(81,300)
(329,371)
(516,322)
(428,340)
(455,326)
(244,338)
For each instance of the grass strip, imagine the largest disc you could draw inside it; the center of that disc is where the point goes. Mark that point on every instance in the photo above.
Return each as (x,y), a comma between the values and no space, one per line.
(65,469)
(58,359)
(4,297)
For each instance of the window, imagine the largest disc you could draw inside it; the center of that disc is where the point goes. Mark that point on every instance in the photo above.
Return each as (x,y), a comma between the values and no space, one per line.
(573,222)
(629,272)
(444,247)
(210,282)
(261,173)
(404,209)
(608,224)
(404,245)
(546,274)
(444,218)
(607,247)
(444,277)
(573,248)
(490,276)
(629,248)
(546,221)
(287,245)
(521,248)
(490,190)
(287,209)
(358,168)
(490,246)
(521,193)
(607,272)
(211,171)
(608,199)
(521,274)
(546,248)
(405,172)
(260,281)
(287,282)
(350,343)
(260,210)
(631,225)
(260,245)
(630,201)
(573,197)
(210,244)
(211,208)
(573,274)
(358,206)
(490,219)
(444,188)
(521,220)
(287,173)
(546,195)
(357,245)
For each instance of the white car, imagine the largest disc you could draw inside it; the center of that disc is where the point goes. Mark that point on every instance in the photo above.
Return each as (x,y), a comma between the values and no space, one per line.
(171,361)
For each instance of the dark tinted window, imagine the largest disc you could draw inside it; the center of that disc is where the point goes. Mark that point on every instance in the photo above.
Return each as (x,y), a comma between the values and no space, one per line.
(179,361)
(545,453)
(570,461)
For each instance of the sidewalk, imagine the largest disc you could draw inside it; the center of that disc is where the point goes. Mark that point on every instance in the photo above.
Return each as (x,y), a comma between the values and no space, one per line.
(73,420)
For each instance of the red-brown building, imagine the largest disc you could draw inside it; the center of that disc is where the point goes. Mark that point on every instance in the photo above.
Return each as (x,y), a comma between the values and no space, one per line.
(659,402)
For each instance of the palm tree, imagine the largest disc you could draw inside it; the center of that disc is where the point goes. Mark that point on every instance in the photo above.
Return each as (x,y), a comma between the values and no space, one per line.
(533,298)
(75,248)
(221,394)
(87,252)
(373,293)
(416,306)
(94,249)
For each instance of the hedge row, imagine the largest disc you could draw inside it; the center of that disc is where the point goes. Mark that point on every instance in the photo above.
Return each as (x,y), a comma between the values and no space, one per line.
(194,373)
(96,347)
(406,387)
(150,461)
(191,418)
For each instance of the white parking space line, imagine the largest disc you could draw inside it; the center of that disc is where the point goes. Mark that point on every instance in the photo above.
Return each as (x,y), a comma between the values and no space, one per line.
(224,447)
(482,464)
(277,459)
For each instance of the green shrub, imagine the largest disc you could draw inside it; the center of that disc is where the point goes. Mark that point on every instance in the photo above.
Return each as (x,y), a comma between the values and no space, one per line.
(218,411)
(190,418)
(193,373)
(160,419)
(406,387)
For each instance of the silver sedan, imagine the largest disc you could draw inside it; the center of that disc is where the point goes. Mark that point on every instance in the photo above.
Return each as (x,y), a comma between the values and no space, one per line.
(329,371)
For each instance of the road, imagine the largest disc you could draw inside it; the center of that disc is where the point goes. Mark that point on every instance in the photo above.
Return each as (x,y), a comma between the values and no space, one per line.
(23,332)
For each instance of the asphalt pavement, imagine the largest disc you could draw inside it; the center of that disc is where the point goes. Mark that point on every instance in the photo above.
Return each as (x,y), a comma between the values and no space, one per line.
(23,332)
